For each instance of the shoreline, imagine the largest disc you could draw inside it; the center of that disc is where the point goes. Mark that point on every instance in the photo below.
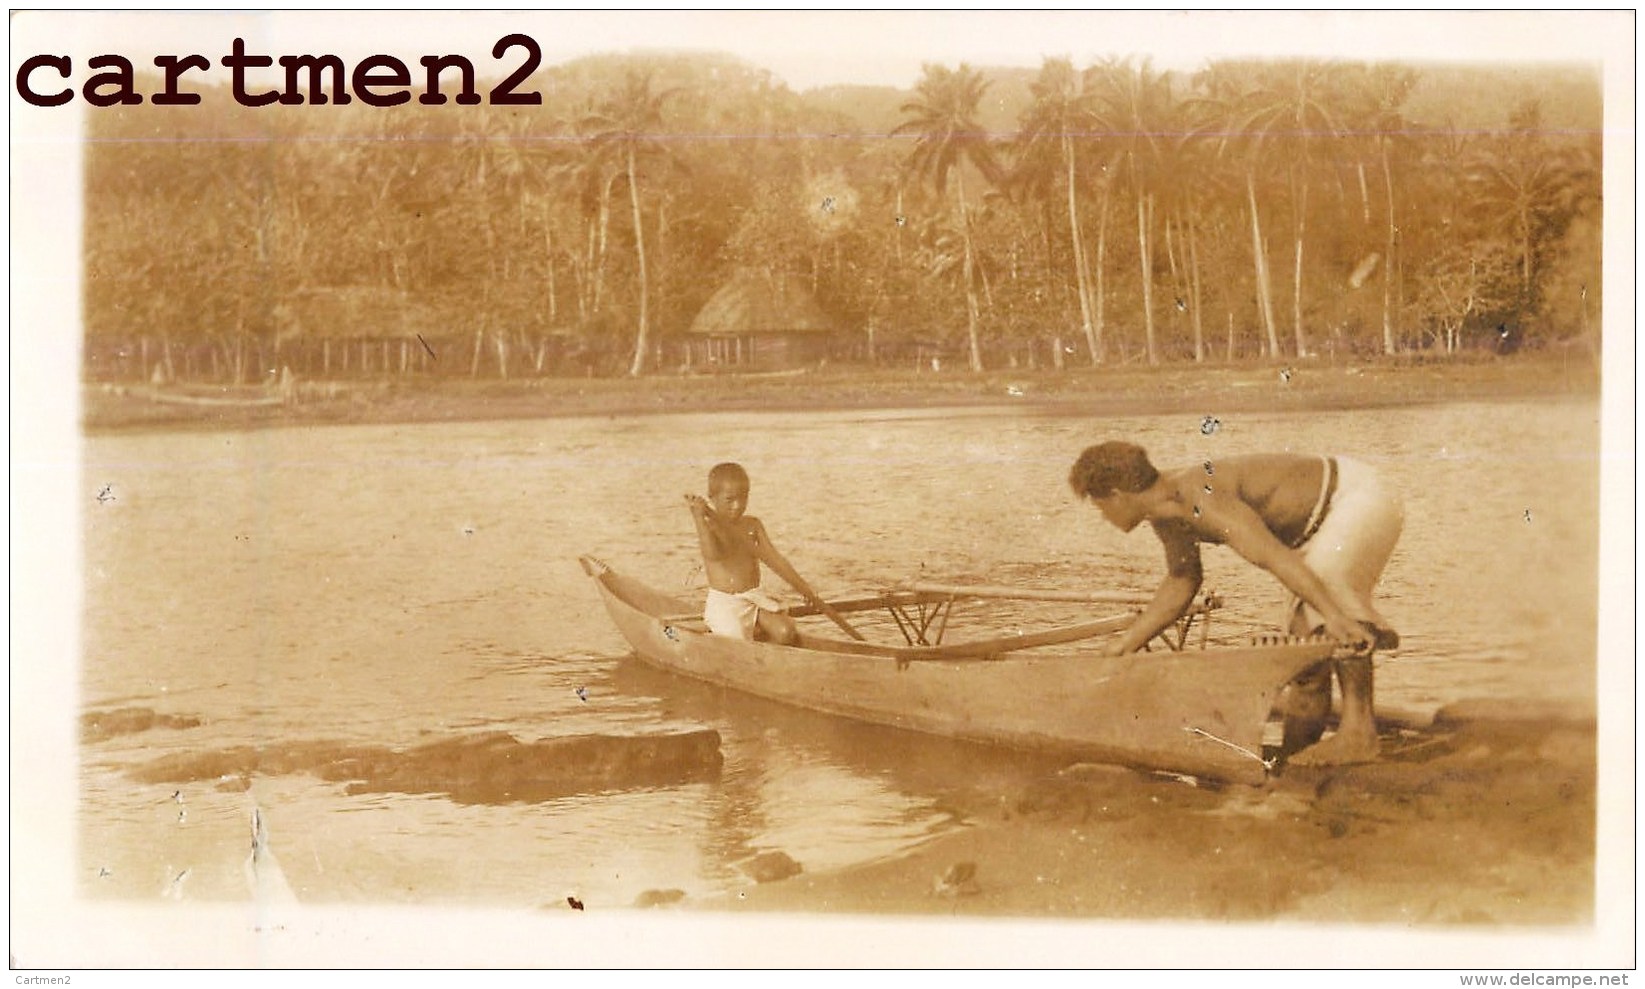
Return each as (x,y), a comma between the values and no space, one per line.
(1207,390)
(1486,818)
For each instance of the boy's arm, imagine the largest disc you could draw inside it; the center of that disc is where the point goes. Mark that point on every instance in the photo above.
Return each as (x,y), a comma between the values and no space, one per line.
(708,534)
(772,558)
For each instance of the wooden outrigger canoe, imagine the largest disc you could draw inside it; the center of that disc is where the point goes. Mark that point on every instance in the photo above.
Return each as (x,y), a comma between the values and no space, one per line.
(1188,708)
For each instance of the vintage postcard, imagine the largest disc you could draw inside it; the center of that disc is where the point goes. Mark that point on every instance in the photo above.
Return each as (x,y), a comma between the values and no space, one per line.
(525,490)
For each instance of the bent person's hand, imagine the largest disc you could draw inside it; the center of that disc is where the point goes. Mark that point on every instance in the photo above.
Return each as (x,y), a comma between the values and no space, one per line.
(1349,633)
(1114,647)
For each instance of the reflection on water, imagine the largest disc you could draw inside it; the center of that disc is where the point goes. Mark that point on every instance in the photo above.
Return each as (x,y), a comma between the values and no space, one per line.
(391,587)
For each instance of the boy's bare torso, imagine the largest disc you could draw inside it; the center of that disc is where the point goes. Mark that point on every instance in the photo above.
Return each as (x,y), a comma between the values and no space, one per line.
(737,566)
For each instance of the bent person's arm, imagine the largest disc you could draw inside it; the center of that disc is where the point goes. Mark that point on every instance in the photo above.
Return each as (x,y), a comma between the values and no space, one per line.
(1183,575)
(1244,533)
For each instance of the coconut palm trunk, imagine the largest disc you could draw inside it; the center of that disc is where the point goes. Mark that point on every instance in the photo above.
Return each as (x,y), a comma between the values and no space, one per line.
(1194,290)
(967,272)
(1525,249)
(1082,278)
(947,139)
(1389,345)
(642,339)
(552,285)
(1296,280)
(1259,255)
(1101,286)
(1145,220)
(603,227)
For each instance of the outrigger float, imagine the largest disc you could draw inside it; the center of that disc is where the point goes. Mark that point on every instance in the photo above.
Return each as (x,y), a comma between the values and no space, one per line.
(1191,707)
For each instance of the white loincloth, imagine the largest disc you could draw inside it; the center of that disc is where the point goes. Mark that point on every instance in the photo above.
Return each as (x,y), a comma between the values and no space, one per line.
(1352,544)
(737,614)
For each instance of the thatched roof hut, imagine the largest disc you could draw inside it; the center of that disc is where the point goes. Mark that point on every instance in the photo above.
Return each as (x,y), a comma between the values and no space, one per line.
(761,320)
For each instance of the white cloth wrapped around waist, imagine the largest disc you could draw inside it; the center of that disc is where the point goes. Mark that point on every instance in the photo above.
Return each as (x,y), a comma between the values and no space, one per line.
(1355,527)
(737,614)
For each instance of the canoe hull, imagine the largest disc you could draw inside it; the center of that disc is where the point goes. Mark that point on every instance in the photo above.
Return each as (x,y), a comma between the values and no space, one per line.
(1197,711)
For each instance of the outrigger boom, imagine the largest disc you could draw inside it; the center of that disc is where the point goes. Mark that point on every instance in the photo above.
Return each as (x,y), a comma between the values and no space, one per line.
(1027,593)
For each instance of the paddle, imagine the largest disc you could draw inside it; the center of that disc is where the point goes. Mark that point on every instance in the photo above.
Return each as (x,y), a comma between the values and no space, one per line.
(839,619)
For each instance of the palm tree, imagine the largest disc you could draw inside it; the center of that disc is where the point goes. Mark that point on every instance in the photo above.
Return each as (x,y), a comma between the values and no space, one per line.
(500,165)
(1524,183)
(625,128)
(947,136)
(1294,101)
(581,174)
(1386,87)
(1188,168)
(1060,112)
(1255,106)
(1134,109)
(527,161)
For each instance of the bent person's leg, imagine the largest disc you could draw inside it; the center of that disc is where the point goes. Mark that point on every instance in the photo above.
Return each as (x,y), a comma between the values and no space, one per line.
(1355,739)
(1305,703)
(1354,543)
(1349,554)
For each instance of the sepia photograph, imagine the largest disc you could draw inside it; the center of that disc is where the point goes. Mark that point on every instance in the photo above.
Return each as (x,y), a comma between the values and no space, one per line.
(823,489)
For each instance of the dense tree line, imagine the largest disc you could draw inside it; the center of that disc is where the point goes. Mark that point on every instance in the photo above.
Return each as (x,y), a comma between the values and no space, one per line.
(1252,209)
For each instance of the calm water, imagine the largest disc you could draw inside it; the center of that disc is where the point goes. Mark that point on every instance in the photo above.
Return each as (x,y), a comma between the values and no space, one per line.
(393,585)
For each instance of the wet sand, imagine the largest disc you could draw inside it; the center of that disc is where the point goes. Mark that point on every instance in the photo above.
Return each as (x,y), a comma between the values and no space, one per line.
(1131,390)
(1483,818)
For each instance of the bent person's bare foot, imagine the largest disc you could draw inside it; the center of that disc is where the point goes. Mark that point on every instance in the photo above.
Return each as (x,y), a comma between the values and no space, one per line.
(1339,750)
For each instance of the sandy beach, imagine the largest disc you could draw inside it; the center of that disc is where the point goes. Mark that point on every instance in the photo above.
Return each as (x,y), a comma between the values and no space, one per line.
(1120,390)
(1498,798)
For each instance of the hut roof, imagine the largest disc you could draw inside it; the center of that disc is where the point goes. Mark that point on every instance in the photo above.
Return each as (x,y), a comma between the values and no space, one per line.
(755,301)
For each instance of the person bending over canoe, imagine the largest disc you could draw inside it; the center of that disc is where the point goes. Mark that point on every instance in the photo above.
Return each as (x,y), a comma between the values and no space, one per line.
(734,545)
(1324,526)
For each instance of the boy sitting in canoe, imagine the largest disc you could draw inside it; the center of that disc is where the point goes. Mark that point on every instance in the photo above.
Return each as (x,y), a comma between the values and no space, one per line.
(1324,526)
(734,545)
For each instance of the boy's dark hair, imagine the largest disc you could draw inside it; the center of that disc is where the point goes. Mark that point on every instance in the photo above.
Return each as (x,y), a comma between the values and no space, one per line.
(721,473)
(1113,466)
